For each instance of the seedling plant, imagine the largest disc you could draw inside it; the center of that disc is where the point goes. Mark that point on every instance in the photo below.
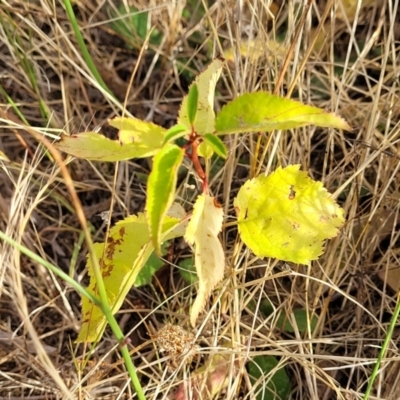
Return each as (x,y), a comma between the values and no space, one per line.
(285,215)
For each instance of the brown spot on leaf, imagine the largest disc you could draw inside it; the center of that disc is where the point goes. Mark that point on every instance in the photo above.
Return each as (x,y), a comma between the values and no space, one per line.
(110,250)
(107,272)
(292,193)
(295,226)
(323,218)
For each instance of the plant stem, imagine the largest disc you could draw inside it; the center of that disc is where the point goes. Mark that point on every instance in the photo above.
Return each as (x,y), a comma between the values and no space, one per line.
(57,271)
(197,166)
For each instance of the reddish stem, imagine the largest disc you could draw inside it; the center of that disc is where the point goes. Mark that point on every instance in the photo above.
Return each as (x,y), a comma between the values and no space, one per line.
(197,166)
(194,143)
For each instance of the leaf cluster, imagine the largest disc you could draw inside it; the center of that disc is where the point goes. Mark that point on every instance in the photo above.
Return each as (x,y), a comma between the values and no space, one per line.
(285,215)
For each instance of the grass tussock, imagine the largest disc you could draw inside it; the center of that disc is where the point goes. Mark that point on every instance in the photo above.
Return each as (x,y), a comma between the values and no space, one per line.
(335,56)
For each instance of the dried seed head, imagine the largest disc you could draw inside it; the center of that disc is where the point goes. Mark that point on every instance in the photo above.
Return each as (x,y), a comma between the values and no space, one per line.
(178,343)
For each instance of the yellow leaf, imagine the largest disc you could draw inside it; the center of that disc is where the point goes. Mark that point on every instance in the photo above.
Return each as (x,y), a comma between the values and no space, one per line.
(287,215)
(94,146)
(121,258)
(202,231)
(133,130)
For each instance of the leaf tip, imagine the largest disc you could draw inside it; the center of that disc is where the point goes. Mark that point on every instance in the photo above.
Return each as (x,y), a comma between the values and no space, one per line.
(344,125)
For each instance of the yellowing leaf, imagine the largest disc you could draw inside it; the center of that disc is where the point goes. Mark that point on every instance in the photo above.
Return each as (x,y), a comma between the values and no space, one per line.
(287,215)
(93,146)
(133,130)
(205,150)
(263,112)
(127,249)
(205,116)
(137,139)
(161,187)
(202,231)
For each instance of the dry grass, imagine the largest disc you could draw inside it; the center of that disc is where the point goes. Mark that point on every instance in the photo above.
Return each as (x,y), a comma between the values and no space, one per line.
(352,68)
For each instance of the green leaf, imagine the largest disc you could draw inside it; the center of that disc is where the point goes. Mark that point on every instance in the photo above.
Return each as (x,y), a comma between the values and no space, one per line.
(187,271)
(93,146)
(175,132)
(264,112)
(266,307)
(121,258)
(276,383)
(287,215)
(283,322)
(152,265)
(300,317)
(161,188)
(216,144)
(132,24)
(205,117)
(192,103)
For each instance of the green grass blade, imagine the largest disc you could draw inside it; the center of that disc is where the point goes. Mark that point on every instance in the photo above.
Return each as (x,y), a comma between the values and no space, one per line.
(83,47)
(384,348)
